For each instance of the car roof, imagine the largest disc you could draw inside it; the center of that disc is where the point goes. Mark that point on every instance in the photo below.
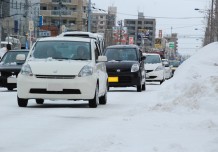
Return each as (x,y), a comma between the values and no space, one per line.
(19,50)
(65,39)
(151,54)
(78,34)
(123,46)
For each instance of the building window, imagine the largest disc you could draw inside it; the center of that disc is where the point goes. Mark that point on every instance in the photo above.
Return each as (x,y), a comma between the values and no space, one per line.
(139,22)
(43,8)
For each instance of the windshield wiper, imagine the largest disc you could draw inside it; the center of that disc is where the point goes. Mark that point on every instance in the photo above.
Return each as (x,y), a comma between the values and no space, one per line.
(80,59)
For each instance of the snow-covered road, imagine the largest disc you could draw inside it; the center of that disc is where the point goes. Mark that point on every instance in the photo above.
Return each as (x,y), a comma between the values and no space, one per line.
(125,124)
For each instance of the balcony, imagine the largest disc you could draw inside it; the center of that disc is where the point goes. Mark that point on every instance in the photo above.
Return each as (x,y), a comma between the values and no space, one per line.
(56,13)
(65,2)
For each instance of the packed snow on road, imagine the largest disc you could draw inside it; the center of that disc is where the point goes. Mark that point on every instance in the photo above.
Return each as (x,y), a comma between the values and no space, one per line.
(181,115)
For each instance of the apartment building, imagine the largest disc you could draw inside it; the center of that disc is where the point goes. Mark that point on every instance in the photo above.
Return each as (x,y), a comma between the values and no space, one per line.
(103,21)
(142,29)
(70,13)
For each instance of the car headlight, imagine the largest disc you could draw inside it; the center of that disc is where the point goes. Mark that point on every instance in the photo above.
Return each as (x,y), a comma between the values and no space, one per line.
(135,67)
(159,68)
(86,71)
(26,70)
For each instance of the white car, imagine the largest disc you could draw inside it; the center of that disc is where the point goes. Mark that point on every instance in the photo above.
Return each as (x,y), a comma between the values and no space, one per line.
(53,70)
(154,68)
(168,68)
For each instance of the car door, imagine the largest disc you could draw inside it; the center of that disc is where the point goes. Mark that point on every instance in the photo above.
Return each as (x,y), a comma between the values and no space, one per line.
(101,71)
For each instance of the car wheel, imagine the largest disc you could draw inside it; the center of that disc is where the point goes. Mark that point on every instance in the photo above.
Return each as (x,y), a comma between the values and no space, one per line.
(144,87)
(22,102)
(10,88)
(103,99)
(139,88)
(39,101)
(93,103)
(161,81)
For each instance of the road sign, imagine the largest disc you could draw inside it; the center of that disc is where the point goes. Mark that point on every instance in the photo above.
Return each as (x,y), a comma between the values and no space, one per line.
(31,26)
(171,45)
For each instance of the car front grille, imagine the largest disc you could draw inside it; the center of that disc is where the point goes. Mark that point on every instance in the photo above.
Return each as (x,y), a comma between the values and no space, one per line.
(125,79)
(147,71)
(65,91)
(55,76)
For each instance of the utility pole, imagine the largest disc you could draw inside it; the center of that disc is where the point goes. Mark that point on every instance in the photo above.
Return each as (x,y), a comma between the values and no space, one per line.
(1,17)
(89,16)
(60,8)
(121,29)
(216,21)
(212,22)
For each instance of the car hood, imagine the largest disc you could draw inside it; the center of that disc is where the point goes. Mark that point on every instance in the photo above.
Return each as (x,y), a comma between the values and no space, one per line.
(55,67)
(10,66)
(152,66)
(123,66)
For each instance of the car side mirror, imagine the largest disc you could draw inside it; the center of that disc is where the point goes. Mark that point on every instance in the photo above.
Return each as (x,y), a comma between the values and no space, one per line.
(102,59)
(21,57)
(143,58)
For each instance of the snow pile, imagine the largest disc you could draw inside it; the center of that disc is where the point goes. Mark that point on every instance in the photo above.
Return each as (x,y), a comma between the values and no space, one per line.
(194,85)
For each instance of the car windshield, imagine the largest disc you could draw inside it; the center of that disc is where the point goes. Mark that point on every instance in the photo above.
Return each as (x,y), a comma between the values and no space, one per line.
(11,57)
(174,63)
(120,54)
(152,59)
(62,50)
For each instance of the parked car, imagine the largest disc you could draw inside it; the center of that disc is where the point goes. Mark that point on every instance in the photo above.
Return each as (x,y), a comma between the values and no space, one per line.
(168,69)
(55,70)
(10,66)
(175,64)
(154,68)
(125,66)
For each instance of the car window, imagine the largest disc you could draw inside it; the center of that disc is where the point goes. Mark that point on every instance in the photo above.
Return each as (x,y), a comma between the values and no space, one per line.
(62,50)
(152,59)
(10,57)
(120,54)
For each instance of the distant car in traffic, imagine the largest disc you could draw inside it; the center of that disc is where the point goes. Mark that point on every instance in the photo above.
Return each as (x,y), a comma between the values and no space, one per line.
(175,64)
(154,68)
(68,68)
(10,66)
(125,66)
(168,69)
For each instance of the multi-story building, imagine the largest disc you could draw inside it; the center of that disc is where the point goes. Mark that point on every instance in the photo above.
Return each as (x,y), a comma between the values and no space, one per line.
(99,22)
(104,22)
(70,13)
(173,45)
(142,29)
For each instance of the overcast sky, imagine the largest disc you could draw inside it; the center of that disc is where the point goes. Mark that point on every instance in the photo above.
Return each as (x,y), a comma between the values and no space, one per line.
(168,14)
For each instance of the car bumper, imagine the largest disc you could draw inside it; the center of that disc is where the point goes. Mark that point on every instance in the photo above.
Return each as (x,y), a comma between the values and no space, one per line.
(125,79)
(155,76)
(78,88)
(8,82)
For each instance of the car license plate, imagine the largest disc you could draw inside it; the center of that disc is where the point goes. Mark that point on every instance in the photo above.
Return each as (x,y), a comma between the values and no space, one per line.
(113,79)
(12,80)
(54,87)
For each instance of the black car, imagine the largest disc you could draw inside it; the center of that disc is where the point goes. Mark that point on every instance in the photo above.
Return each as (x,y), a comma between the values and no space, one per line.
(10,67)
(125,66)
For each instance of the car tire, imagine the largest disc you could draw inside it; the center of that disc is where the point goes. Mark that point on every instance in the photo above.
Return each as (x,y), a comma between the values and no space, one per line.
(93,103)
(103,99)
(161,81)
(10,88)
(144,87)
(39,101)
(22,102)
(139,88)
